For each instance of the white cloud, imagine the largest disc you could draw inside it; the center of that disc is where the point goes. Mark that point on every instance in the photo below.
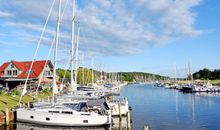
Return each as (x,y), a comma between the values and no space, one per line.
(29,27)
(5,14)
(173,17)
(112,27)
(3,43)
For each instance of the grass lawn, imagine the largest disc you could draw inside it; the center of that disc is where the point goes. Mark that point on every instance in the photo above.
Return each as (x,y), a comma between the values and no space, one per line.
(11,101)
(215,82)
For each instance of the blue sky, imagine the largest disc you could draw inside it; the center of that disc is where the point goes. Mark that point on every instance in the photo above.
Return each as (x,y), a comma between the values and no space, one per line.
(126,35)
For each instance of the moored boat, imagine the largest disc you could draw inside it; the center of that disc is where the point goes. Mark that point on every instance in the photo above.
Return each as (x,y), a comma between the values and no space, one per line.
(64,116)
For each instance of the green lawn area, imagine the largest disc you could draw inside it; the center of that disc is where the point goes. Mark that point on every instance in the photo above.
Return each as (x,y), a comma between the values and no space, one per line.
(215,82)
(11,101)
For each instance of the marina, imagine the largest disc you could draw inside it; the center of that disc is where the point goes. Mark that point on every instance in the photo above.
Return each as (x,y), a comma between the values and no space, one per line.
(109,65)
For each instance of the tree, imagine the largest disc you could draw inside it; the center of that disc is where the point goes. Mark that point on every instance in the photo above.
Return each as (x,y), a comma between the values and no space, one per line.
(61,74)
(128,77)
(215,74)
(207,74)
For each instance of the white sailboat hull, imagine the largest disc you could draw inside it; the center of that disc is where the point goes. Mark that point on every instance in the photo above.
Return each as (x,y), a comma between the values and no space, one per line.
(60,119)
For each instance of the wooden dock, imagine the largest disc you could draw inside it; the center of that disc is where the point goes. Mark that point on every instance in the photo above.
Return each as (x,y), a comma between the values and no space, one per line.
(7,117)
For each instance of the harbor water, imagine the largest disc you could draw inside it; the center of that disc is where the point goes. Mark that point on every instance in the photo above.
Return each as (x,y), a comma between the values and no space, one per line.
(169,109)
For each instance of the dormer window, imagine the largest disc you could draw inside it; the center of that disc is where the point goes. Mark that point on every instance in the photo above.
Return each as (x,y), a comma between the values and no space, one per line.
(12,66)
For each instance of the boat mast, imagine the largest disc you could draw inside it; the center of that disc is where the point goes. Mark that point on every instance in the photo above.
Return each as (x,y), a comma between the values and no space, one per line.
(186,72)
(92,71)
(83,72)
(175,75)
(190,71)
(77,43)
(72,42)
(101,72)
(55,90)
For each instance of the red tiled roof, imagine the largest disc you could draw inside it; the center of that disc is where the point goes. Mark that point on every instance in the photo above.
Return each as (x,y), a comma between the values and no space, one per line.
(2,68)
(25,66)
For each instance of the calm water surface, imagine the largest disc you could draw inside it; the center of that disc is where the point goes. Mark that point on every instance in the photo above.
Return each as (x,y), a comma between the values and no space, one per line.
(167,109)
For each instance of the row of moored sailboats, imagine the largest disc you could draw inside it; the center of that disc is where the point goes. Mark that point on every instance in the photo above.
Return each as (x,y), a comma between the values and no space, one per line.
(190,87)
(84,106)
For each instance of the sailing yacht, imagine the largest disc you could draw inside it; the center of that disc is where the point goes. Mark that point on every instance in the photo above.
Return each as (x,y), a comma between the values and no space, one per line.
(90,113)
(81,113)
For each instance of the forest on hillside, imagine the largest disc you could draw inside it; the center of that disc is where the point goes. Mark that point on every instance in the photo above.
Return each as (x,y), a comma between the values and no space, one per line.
(86,75)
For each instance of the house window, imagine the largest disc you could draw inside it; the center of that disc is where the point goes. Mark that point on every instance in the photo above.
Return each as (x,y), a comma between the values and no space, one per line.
(67,112)
(9,72)
(85,121)
(47,72)
(54,112)
(15,72)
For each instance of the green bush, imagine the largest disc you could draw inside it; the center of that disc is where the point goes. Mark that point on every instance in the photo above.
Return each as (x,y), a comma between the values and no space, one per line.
(47,91)
(16,92)
(1,93)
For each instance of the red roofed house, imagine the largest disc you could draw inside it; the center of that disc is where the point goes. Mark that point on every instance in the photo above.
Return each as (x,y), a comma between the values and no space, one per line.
(14,73)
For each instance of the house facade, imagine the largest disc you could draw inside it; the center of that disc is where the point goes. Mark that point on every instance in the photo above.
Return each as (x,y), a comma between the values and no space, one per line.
(15,73)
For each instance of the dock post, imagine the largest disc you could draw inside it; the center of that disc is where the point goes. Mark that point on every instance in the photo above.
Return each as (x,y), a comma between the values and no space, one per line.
(146,127)
(2,119)
(120,116)
(7,120)
(128,121)
(119,110)
(48,99)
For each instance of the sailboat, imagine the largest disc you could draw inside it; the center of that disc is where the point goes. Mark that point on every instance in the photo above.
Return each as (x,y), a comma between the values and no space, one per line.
(81,113)
(89,113)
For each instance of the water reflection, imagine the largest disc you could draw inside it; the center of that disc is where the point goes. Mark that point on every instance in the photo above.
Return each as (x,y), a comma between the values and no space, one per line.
(117,125)
(26,126)
(192,97)
(168,109)
(209,94)
(177,109)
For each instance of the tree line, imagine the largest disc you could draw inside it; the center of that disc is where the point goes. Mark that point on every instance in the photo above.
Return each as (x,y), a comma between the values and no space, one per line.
(86,75)
(207,74)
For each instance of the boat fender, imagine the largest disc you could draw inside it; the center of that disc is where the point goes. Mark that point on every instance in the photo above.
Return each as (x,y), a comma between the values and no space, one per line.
(114,108)
(130,108)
